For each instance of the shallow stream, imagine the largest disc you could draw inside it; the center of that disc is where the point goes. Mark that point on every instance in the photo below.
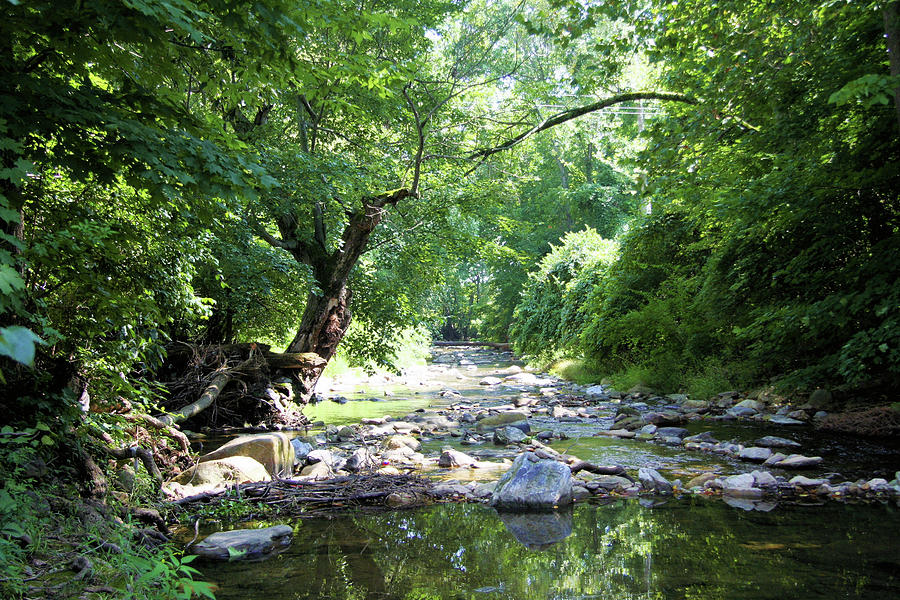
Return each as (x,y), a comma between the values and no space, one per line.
(691,549)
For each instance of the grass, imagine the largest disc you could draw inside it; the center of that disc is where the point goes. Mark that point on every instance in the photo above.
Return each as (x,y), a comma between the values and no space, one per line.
(576,370)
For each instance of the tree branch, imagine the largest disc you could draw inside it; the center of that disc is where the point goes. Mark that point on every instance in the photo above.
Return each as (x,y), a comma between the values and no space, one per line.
(574,113)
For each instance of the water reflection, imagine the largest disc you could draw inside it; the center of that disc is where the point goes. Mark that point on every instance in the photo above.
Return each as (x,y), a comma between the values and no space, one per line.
(681,550)
(539,530)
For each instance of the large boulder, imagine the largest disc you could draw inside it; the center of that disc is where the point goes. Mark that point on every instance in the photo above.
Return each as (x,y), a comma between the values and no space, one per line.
(225,471)
(533,483)
(244,544)
(508,435)
(272,450)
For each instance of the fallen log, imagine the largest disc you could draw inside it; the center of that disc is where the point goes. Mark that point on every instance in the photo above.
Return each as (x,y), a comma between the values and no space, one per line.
(583,465)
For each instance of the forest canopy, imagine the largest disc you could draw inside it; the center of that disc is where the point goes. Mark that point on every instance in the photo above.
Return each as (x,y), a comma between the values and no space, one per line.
(201,173)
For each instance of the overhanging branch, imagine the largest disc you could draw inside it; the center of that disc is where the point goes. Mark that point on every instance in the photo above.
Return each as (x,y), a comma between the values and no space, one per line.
(574,113)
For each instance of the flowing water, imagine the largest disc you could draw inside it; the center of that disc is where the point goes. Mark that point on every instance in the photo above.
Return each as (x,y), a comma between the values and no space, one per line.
(687,549)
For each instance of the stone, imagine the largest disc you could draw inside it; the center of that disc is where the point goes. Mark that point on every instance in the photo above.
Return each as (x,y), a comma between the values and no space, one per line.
(763,479)
(742,411)
(538,531)
(484,490)
(560,412)
(399,441)
(648,429)
(651,480)
(272,450)
(747,493)
(580,493)
(346,433)
(680,398)
(619,433)
(533,483)
(508,435)
(321,455)
(798,461)
(244,544)
(664,418)
(451,458)
(755,405)
(784,420)
(301,451)
(526,379)
(754,454)
(771,441)
(225,471)
(700,480)
(490,381)
(695,405)
(400,500)
(744,480)
(706,436)
(360,459)
(676,432)
(319,470)
(806,482)
(513,418)
(775,458)
(798,415)
(445,490)
(610,482)
(595,390)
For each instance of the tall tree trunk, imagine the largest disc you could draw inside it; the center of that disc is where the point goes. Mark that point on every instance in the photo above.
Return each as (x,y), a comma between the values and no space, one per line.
(325,321)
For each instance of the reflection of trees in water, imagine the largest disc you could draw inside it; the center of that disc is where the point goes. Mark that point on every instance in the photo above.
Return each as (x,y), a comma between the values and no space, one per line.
(624,551)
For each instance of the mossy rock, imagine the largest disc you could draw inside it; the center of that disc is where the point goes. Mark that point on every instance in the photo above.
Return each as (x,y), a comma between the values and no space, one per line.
(501,420)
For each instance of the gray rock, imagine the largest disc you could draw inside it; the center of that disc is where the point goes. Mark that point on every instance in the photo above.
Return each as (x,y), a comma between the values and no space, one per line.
(319,470)
(742,411)
(451,458)
(706,436)
(301,451)
(749,504)
(676,432)
(609,483)
(244,544)
(580,493)
(771,441)
(512,418)
(744,480)
(619,433)
(763,479)
(806,482)
(648,429)
(783,420)
(651,480)
(798,461)
(778,456)
(490,381)
(755,405)
(533,483)
(321,455)
(755,454)
(508,435)
(361,459)
(595,390)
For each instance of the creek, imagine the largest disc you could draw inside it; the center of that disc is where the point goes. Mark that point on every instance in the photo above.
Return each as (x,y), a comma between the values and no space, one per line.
(651,548)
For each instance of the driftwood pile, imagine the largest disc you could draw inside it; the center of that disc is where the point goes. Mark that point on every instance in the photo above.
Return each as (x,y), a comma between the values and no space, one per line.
(296,498)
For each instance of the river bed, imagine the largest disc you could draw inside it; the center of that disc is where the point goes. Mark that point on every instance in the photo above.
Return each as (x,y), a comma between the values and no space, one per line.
(650,548)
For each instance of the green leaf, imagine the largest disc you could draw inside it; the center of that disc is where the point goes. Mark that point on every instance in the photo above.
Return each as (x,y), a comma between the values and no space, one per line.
(19,343)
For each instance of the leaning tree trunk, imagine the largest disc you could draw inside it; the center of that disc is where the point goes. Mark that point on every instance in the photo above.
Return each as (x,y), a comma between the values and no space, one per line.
(324,323)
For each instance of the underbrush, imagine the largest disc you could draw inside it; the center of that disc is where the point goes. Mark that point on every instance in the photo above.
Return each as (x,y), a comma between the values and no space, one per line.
(575,369)
(56,541)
